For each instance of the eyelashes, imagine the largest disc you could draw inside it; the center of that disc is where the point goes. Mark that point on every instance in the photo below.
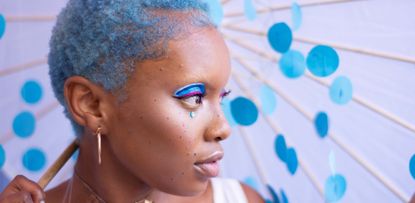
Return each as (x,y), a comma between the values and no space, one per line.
(193,94)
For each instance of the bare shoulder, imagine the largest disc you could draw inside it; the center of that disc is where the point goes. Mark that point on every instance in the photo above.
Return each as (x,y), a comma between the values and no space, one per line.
(252,195)
(56,194)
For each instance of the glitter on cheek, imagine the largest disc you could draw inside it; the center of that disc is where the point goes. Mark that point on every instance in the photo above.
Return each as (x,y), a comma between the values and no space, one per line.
(192,114)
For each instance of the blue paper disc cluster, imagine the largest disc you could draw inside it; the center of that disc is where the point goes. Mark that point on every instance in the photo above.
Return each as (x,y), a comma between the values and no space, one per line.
(2,156)
(215,11)
(292,64)
(249,9)
(2,25)
(412,166)
(341,90)
(335,188)
(34,159)
(296,16)
(322,61)
(31,92)
(244,111)
(286,154)
(321,123)
(275,198)
(268,99)
(24,124)
(280,37)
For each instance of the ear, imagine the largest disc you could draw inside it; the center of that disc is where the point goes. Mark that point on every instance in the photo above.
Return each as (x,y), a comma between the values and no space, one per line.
(89,104)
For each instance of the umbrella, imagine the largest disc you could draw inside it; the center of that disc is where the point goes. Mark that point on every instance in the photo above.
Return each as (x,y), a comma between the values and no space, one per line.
(321,109)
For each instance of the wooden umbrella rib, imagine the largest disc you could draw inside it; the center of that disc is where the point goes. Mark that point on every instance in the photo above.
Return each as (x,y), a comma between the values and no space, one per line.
(38,116)
(224,2)
(21,67)
(369,168)
(254,156)
(276,129)
(355,97)
(288,6)
(13,19)
(335,45)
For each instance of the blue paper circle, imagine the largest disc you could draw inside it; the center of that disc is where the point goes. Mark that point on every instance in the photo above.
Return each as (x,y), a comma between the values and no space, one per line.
(296,16)
(280,37)
(280,147)
(75,155)
(322,61)
(335,188)
(2,156)
(412,166)
(249,8)
(34,159)
(292,64)
(291,160)
(244,111)
(226,108)
(215,11)
(341,90)
(31,92)
(24,124)
(321,123)
(284,198)
(2,25)
(268,99)
(275,198)
(251,182)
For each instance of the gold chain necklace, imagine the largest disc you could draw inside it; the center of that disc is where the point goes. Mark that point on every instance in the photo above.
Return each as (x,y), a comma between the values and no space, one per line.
(97,196)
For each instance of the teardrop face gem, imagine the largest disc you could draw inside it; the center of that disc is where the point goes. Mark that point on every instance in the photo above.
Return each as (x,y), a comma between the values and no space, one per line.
(192,114)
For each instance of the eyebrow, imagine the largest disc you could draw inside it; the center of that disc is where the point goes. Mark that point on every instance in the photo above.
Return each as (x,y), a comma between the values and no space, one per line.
(190,90)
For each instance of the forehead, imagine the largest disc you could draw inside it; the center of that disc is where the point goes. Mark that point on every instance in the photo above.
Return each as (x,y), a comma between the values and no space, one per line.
(197,56)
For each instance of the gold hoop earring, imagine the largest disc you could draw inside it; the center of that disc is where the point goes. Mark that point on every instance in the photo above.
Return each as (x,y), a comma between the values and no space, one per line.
(98,133)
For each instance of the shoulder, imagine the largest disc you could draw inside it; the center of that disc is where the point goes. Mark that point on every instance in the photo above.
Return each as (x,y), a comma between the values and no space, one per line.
(251,194)
(56,194)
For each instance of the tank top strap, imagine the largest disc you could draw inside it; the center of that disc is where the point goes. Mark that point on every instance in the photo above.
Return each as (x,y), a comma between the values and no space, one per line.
(227,191)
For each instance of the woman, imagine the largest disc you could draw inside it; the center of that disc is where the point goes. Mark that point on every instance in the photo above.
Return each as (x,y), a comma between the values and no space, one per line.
(142,83)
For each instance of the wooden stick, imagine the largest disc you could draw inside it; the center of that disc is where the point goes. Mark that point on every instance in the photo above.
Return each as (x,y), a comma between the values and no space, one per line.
(223,2)
(335,45)
(288,6)
(355,97)
(57,165)
(336,140)
(21,67)
(29,18)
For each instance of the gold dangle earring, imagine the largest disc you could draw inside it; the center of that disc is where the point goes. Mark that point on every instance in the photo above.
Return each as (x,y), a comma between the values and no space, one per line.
(98,133)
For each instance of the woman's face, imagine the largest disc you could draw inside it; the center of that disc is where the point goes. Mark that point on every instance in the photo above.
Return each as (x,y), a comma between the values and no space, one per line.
(168,130)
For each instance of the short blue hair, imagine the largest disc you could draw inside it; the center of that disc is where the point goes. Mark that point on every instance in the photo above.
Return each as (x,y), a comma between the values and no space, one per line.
(101,40)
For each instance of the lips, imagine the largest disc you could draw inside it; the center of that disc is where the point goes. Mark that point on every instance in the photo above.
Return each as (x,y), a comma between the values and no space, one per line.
(209,167)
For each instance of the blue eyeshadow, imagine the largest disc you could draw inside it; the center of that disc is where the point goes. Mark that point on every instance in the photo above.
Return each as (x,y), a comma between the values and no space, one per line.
(190,90)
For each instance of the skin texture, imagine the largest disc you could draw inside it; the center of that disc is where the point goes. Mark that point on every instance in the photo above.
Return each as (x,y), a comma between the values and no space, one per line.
(149,141)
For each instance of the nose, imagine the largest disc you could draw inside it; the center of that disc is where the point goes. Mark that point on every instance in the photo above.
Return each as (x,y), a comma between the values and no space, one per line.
(218,128)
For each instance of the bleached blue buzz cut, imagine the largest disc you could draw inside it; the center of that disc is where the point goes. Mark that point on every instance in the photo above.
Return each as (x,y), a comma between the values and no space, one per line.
(101,40)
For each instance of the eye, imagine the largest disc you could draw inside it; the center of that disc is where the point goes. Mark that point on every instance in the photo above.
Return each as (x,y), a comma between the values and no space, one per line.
(192,95)
(193,100)
(224,94)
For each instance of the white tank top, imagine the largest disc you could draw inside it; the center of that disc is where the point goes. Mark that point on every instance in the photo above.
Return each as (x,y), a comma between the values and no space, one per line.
(227,191)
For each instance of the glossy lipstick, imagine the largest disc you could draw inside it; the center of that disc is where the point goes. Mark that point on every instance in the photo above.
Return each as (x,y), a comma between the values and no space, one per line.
(209,167)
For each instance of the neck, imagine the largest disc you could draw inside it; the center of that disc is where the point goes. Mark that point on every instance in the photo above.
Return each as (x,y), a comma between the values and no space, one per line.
(109,181)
